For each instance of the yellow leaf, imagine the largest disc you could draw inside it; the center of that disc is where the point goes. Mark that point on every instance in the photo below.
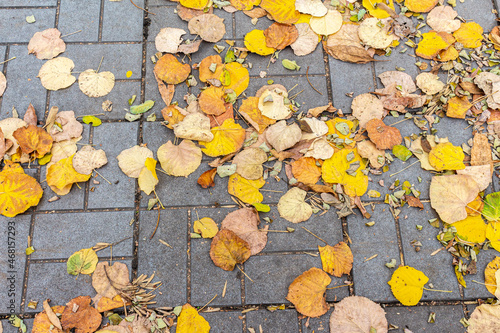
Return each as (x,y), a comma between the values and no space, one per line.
(108,304)
(334,170)
(432,43)
(239,77)
(83,261)
(332,127)
(244,4)
(445,156)
(18,191)
(328,24)
(249,109)
(449,54)
(255,42)
(227,250)
(472,229)
(493,234)
(336,260)
(62,174)
(489,275)
(206,227)
(195,4)
(228,138)
(282,11)
(407,285)
(469,34)
(305,18)
(147,177)
(420,6)
(190,321)
(458,107)
(307,292)
(376,11)
(244,189)
(171,70)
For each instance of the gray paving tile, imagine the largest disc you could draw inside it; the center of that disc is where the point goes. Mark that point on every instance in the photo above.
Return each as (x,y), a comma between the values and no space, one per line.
(169,265)
(52,232)
(484,17)
(208,280)
(15,20)
(50,280)
(161,3)
(118,58)
(74,99)
(88,20)
(349,78)
(321,324)
(415,318)
(24,87)
(105,138)
(3,50)
(280,321)
(27,3)
(244,25)
(438,268)
(224,321)
(476,290)
(456,130)
(14,232)
(370,277)
(397,59)
(273,274)
(116,21)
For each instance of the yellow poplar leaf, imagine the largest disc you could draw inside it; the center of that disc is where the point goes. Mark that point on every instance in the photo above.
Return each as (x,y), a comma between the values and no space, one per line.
(62,174)
(432,43)
(227,250)
(376,11)
(334,170)
(469,34)
(336,260)
(305,18)
(239,77)
(458,107)
(204,68)
(244,4)
(18,191)
(206,227)
(190,321)
(147,177)
(307,293)
(282,11)
(420,6)
(195,4)
(493,234)
(83,261)
(228,138)
(445,156)
(181,160)
(244,189)
(472,229)
(489,275)
(306,171)
(449,54)
(255,41)
(407,285)
(131,161)
(171,70)
(249,109)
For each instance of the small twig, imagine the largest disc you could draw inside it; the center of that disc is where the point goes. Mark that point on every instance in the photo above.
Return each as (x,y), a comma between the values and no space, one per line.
(307,77)
(244,273)
(321,239)
(284,231)
(398,122)
(204,306)
(165,243)
(142,8)
(297,94)
(441,291)
(404,168)
(102,58)
(103,177)
(157,223)
(265,190)
(224,290)
(3,62)
(372,257)
(157,197)
(71,33)
(344,285)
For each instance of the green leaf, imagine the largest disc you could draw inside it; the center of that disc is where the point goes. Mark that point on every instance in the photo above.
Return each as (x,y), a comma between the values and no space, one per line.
(132,117)
(17,322)
(82,262)
(491,210)
(225,78)
(141,108)
(289,64)
(115,319)
(30,19)
(132,100)
(92,119)
(261,207)
(401,152)
(230,57)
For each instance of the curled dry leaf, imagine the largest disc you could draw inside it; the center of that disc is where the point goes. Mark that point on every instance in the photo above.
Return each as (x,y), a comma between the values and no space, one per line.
(384,137)
(279,36)
(481,151)
(282,137)
(327,24)
(442,18)
(407,285)
(249,163)
(195,126)
(108,280)
(46,44)
(71,128)
(282,11)
(429,83)
(375,33)
(244,189)
(63,149)
(320,149)
(3,83)
(306,42)
(30,116)
(358,314)
(209,27)
(131,161)
(181,160)
(189,47)
(345,45)
(88,159)
(484,319)
(227,250)
(366,107)
(33,139)
(336,260)
(307,293)
(249,110)
(206,179)
(244,223)
(486,81)
(55,74)
(292,206)
(171,70)
(190,321)
(169,39)
(95,84)
(367,149)
(84,319)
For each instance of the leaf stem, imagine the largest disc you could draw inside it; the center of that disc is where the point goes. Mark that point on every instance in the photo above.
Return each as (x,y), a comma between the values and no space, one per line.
(404,168)
(343,285)
(72,33)
(321,239)
(3,62)
(441,291)
(204,306)
(103,177)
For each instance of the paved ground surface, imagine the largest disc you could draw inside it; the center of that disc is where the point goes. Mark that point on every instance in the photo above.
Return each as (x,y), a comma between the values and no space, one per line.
(103,213)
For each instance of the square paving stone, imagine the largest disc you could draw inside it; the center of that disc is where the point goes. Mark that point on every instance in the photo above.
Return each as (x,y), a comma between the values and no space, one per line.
(121,191)
(15,232)
(118,59)
(222,322)
(244,25)
(456,130)
(371,276)
(74,99)
(476,290)
(321,324)
(438,268)
(51,280)
(28,3)
(273,274)
(208,280)
(3,50)
(15,20)
(280,321)
(415,318)
(58,236)
(479,11)
(25,88)
(168,264)
(117,18)
(349,78)
(76,15)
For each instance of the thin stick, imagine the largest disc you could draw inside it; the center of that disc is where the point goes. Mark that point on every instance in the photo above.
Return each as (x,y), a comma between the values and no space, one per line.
(276,191)
(244,273)
(297,94)
(204,306)
(86,115)
(404,168)
(102,58)
(157,197)
(398,122)
(263,230)
(307,77)
(103,177)
(157,223)
(484,284)
(3,62)
(71,33)
(142,8)
(321,239)
(224,290)
(344,285)
(372,257)
(441,291)
(165,243)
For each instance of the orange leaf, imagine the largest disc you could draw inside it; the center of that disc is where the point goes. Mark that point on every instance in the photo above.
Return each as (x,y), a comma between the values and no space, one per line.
(249,110)
(62,174)
(173,114)
(218,120)
(458,107)
(307,292)
(79,315)
(279,36)
(211,101)
(449,54)
(336,260)
(170,70)
(108,304)
(204,68)
(432,43)
(42,323)
(206,179)
(383,136)
(227,250)
(33,139)
(306,171)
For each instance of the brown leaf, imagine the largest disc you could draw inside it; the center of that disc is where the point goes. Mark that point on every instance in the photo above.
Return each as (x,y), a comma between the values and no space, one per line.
(337,260)
(33,139)
(78,314)
(51,315)
(30,116)
(211,101)
(206,179)
(244,223)
(173,114)
(42,323)
(3,145)
(481,151)
(318,188)
(307,293)
(414,202)
(227,250)
(314,112)
(166,91)
(249,110)
(209,27)
(384,137)
(218,120)
(109,280)
(279,35)
(71,128)
(205,71)
(256,12)
(192,47)
(345,45)
(46,44)
(187,14)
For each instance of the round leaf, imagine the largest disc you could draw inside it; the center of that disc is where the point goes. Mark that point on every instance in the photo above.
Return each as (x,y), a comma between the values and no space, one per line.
(55,74)
(358,314)
(244,223)
(181,160)
(227,250)
(292,206)
(407,285)
(228,138)
(244,189)
(131,161)
(82,262)
(171,70)
(307,293)
(95,84)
